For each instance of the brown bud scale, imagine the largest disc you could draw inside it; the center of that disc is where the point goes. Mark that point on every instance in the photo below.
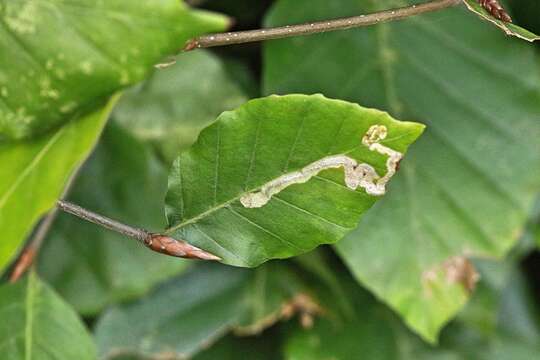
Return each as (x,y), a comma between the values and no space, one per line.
(495,9)
(166,245)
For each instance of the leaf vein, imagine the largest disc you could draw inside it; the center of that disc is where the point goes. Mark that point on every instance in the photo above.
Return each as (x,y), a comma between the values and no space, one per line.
(218,244)
(216,170)
(293,146)
(479,171)
(310,213)
(21,45)
(253,151)
(454,96)
(39,156)
(87,40)
(246,219)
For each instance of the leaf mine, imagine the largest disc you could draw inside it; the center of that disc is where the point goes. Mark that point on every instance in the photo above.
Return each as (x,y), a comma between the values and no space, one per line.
(356,174)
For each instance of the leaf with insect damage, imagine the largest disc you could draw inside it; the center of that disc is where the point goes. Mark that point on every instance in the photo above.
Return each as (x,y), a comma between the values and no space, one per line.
(500,19)
(467,186)
(38,324)
(281,175)
(104,46)
(500,322)
(34,173)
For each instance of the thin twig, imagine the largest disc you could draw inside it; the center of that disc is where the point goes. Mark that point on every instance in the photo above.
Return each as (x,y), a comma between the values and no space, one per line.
(241,37)
(28,255)
(103,221)
(156,242)
(30,252)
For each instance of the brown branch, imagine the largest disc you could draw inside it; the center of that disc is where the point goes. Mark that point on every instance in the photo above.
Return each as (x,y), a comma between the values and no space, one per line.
(29,253)
(31,250)
(156,242)
(241,37)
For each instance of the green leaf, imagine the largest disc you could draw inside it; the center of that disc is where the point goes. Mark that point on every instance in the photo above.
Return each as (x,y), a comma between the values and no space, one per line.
(535,223)
(519,313)
(508,28)
(369,332)
(270,290)
(260,348)
(38,324)
(104,46)
(537,233)
(516,334)
(34,173)
(176,103)
(194,310)
(92,267)
(481,312)
(368,335)
(467,186)
(179,317)
(259,142)
(526,13)
(373,333)
(330,293)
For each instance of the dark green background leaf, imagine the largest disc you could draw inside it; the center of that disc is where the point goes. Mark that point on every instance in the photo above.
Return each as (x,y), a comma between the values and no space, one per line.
(508,28)
(176,103)
(38,325)
(511,330)
(253,348)
(192,311)
(270,288)
(468,185)
(368,334)
(179,317)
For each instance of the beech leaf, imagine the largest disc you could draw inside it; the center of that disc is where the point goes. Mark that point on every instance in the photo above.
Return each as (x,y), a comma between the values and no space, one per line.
(508,27)
(267,180)
(34,173)
(38,324)
(104,46)
(467,186)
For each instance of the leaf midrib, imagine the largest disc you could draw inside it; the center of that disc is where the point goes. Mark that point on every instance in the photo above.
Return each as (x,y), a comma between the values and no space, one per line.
(31,166)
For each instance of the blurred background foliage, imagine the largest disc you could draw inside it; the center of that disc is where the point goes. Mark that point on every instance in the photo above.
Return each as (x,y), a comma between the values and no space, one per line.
(501,321)
(142,305)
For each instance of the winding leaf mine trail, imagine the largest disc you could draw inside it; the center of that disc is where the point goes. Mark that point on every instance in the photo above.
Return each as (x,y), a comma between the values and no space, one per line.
(356,174)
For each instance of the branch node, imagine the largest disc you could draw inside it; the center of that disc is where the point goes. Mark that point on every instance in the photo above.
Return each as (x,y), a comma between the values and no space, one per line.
(191,45)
